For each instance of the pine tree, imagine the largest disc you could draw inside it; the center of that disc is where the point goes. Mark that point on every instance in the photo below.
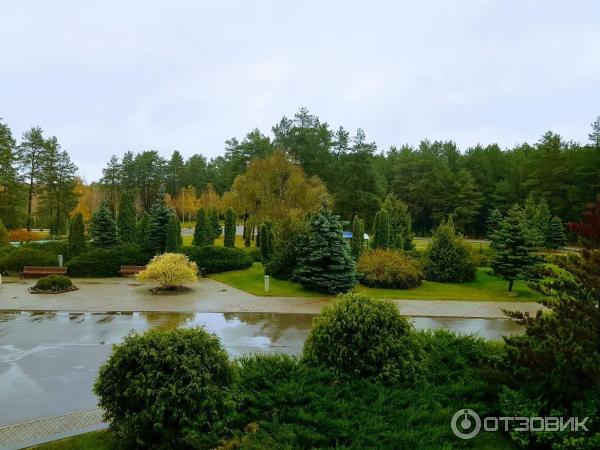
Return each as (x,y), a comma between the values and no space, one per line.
(267,241)
(536,219)
(202,232)
(141,230)
(357,241)
(158,220)
(174,239)
(401,234)
(126,219)
(229,237)
(3,235)
(381,230)
(103,229)
(215,226)
(76,239)
(514,251)
(326,264)
(556,237)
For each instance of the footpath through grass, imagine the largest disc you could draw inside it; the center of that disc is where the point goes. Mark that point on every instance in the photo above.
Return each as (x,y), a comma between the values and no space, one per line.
(485,287)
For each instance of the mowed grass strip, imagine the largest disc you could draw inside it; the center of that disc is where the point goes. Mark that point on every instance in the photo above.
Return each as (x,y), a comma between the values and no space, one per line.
(485,287)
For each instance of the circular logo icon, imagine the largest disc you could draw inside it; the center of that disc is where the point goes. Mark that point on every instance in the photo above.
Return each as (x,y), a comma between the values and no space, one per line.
(466,424)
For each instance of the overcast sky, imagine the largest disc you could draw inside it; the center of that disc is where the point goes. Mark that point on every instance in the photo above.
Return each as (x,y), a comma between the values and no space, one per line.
(110,76)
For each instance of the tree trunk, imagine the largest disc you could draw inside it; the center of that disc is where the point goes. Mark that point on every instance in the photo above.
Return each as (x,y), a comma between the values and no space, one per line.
(510,285)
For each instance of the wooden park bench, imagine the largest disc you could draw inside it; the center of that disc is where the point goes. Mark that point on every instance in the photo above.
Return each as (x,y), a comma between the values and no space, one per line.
(131,270)
(42,271)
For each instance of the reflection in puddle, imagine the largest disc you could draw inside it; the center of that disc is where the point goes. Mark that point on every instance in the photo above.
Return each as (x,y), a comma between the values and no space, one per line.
(48,361)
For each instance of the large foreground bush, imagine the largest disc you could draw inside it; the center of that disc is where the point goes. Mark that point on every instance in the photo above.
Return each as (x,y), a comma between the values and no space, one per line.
(16,259)
(364,336)
(389,269)
(218,259)
(166,389)
(107,262)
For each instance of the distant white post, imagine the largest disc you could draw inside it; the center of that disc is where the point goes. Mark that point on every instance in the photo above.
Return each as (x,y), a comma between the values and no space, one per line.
(267,283)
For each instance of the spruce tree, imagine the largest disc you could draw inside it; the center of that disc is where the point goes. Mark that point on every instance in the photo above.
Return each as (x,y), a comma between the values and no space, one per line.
(174,239)
(326,264)
(214,225)
(158,220)
(76,238)
(555,238)
(229,236)
(357,241)
(493,223)
(401,234)
(141,231)
(103,228)
(126,219)
(514,251)
(203,235)
(381,230)
(3,235)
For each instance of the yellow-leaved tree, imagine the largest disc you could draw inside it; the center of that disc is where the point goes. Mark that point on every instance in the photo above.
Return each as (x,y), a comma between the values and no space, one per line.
(171,270)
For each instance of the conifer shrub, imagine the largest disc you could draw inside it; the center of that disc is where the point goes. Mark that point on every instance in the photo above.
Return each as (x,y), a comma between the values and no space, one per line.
(55,283)
(448,257)
(167,389)
(389,269)
(106,262)
(366,337)
(18,258)
(218,259)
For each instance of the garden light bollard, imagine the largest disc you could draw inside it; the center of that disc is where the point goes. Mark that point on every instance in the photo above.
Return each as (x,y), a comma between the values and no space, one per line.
(267,283)
(60,260)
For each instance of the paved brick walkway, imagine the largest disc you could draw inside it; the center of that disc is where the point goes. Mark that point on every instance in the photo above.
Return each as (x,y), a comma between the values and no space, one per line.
(37,432)
(208,295)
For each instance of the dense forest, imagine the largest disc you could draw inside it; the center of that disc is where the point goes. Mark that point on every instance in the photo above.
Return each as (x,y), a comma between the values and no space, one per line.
(436,179)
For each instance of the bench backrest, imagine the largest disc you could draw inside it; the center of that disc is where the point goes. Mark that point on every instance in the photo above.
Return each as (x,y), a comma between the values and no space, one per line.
(44,269)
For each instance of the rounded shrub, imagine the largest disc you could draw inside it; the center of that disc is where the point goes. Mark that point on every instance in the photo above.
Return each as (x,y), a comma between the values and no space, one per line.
(389,269)
(448,257)
(170,270)
(106,262)
(24,256)
(54,283)
(167,389)
(218,259)
(367,337)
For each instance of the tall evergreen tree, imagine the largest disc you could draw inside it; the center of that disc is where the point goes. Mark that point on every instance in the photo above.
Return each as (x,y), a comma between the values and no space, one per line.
(112,181)
(4,241)
(174,239)
(358,240)
(141,230)
(30,156)
(126,219)
(514,253)
(10,187)
(555,238)
(401,234)
(103,229)
(381,230)
(493,223)
(215,225)
(326,264)
(158,221)
(76,238)
(229,237)
(267,242)
(203,235)
(536,218)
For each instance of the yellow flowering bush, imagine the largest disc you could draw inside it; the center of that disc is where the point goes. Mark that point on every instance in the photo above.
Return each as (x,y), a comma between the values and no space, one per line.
(170,270)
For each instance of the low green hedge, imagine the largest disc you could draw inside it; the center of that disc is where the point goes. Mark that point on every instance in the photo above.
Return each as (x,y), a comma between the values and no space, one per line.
(54,283)
(106,262)
(218,259)
(16,259)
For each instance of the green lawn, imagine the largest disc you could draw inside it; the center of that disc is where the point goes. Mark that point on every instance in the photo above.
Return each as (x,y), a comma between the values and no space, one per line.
(485,287)
(99,440)
(422,243)
(252,280)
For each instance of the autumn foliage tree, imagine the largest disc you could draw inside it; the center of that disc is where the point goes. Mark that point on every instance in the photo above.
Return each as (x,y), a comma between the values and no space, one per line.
(589,228)
(170,270)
